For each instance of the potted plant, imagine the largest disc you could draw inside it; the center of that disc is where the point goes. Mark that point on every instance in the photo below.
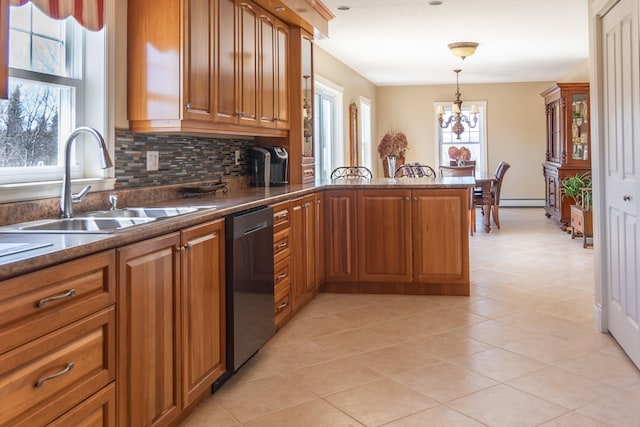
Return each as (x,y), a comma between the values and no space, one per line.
(393,144)
(578,187)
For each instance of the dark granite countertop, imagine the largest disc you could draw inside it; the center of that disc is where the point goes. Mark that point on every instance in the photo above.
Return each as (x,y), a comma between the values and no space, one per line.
(64,247)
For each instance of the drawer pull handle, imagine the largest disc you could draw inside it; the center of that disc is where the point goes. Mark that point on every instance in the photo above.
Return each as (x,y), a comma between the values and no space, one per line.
(281,216)
(281,245)
(41,382)
(281,276)
(281,306)
(67,294)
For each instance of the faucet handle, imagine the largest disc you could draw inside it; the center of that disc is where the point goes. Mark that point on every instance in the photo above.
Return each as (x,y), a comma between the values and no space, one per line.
(113,201)
(76,198)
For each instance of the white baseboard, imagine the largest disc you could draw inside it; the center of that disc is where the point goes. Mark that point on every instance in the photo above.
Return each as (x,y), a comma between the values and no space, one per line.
(522,203)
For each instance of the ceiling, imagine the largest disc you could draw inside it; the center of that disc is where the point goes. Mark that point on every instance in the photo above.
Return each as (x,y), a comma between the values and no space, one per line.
(404,42)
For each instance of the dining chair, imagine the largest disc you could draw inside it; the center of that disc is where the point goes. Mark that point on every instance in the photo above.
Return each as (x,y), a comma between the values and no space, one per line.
(458,170)
(469,170)
(496,186)
(351,172)
(415,170)
(462,163)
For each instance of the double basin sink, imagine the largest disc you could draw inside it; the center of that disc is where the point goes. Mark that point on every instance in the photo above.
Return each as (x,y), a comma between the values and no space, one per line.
(101,221)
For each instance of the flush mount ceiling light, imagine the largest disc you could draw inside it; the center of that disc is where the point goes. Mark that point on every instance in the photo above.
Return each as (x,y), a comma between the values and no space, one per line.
(435,3)
(343,8)
(463,49)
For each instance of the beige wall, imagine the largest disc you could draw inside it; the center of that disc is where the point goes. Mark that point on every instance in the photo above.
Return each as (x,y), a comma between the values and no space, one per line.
(515,127)
(354,86)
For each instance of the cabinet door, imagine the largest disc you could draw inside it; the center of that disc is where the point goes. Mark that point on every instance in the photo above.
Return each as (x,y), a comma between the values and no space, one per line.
(203,308)
(149,315)
(247,58)
(310,244)
(225,75)
(267,70)
(340,236)
(320,239)
(440,216)
(384,235)
(282,75)
(198,59)
(298,258)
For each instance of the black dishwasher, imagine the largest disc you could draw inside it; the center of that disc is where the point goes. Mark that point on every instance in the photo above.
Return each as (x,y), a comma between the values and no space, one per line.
(249,284)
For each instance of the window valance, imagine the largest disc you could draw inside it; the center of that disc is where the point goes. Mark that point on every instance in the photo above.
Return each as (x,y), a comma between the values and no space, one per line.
(89,13)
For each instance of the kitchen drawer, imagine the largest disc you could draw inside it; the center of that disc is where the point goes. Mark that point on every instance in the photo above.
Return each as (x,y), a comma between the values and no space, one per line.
(281,245)
(37,303)
(282,309)
(97,411)
(281,278)
(281,216)
(43,379)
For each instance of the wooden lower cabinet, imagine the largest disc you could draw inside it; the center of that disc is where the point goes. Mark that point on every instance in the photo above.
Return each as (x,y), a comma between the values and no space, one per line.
(203,312)
(97,411)
(149,356)
(171,323)
(384,236)
(303,250)
(440,216)
(57,341)
(397,241)
(341,261)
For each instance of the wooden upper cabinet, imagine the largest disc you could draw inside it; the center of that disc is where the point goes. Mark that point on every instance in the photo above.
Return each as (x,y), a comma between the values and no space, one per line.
(282,75)
(198,60)
(247,57)
(228,53)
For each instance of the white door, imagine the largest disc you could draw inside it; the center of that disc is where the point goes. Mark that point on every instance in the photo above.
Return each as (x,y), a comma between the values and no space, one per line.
(620,166)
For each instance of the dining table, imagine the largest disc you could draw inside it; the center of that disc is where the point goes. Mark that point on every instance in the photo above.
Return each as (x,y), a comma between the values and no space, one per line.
(484,181)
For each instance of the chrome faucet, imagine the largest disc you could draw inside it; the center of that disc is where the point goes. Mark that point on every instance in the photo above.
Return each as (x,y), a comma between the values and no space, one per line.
(67,198)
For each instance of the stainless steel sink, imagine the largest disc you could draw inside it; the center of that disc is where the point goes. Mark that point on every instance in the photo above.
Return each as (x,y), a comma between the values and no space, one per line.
(101,221)
(143,212)
(76,225)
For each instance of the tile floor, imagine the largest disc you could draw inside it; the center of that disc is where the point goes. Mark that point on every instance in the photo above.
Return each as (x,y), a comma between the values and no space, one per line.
(522,350)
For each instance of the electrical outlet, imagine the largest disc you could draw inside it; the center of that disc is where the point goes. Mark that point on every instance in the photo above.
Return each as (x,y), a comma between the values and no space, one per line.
(152,160)
(237,157)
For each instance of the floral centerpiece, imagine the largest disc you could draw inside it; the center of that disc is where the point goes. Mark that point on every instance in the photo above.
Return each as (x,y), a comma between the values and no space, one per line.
(392,148)
(393,143)
(461,154)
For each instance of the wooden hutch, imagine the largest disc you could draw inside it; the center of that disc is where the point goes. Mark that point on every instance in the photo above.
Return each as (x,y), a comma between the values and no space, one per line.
(568,144)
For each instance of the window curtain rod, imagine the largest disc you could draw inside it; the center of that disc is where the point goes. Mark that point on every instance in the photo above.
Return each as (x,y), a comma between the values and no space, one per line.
(89,13)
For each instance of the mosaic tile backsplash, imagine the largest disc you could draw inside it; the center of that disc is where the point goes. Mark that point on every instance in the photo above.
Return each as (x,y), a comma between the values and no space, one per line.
(182,158)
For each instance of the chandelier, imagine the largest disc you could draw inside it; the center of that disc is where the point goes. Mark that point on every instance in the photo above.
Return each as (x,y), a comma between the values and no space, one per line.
(456,119)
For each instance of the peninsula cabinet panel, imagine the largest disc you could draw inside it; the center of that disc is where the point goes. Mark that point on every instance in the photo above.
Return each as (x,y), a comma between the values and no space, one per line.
(340,236)
(320,240)
(440,240)
(149,363)
(384,236)
(203,311)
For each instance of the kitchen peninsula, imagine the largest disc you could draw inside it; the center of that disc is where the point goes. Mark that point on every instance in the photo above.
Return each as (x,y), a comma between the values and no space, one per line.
(63,300)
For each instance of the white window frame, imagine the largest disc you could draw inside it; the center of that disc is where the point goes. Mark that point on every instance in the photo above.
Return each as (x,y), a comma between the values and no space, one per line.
(97,108)
(328,88)
(366,128)
(481,164)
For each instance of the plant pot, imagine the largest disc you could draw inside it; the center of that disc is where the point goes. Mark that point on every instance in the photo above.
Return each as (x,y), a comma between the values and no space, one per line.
(385,165)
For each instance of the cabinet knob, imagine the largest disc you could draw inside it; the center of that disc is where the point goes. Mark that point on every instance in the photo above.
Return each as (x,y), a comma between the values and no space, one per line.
(188,106)
(406,198)
(415,199)
(240,113)
(626,197)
